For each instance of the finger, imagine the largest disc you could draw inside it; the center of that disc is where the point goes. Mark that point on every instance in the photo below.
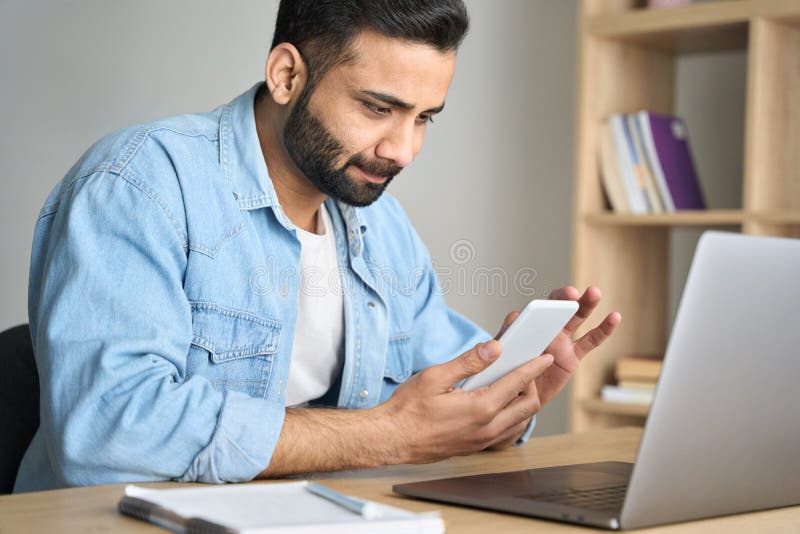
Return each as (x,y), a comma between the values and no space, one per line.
(522,408)
(530,389)
(595,337)
(510,318)
(513,423)
(443,377)
(586,305)
(509,387)
(510,437)
(564,293)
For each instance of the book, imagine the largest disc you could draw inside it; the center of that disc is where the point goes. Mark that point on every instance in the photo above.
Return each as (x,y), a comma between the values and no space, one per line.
(609,171)
(297,507)
(649,153)
(638,384)
(643,368)
(631,184)
(627,395)
(666,143)
(642,166)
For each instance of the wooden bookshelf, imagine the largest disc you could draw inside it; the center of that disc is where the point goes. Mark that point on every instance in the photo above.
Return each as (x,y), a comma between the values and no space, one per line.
(627,62)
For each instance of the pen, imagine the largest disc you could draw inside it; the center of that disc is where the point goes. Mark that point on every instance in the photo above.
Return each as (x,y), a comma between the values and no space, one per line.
(368,510)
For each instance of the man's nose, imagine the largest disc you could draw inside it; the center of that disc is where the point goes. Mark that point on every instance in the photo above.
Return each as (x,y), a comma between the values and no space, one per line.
(398,145)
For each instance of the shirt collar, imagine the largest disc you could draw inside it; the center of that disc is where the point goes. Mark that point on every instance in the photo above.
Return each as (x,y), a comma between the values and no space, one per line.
(240,154)
(243,164)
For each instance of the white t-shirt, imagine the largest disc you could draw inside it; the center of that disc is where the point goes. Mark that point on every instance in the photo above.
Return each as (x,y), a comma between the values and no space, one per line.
(318,349)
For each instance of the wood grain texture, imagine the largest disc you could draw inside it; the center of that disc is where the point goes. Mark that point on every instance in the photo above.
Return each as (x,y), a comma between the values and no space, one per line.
(684,218)
(93,509)
(615,408)
(772,153)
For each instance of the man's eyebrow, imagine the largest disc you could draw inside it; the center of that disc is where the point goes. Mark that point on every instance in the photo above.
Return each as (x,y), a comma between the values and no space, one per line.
(394,101)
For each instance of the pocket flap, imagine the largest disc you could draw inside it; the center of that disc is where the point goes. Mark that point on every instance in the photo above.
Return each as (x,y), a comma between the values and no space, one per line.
(399,358)
(229,334)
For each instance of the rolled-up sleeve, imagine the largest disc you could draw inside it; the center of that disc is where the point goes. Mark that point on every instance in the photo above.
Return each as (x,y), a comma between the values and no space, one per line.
(112,327)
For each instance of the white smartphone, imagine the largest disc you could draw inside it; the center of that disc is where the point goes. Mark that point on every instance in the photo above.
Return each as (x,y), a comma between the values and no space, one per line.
(527,337)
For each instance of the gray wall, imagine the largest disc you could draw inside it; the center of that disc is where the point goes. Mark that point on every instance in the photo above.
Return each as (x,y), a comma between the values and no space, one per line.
(490,193)
(493,181)
(710,95)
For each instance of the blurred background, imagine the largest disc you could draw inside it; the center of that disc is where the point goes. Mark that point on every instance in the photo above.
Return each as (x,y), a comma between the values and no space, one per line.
(491,192)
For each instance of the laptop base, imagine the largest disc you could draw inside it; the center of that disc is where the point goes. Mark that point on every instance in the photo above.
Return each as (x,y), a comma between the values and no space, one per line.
(585,494)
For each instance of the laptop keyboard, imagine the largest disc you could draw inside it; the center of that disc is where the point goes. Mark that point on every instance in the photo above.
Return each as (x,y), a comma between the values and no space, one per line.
(602,499)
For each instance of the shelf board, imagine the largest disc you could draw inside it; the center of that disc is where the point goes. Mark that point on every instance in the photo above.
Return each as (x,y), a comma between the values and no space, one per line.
(777,217)
(683,218)
(615,408)
(709,27)
(787,11)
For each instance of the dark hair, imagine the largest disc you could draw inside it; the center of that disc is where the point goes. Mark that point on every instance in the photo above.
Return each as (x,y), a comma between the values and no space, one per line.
(322,30)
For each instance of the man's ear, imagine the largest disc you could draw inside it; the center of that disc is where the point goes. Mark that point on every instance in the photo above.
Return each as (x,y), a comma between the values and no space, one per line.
(286,73)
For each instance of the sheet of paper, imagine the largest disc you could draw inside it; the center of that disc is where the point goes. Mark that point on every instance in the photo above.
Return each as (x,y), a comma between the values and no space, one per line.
(255,506)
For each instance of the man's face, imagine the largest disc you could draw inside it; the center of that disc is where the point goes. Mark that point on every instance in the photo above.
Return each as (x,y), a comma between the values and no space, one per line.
(364,121)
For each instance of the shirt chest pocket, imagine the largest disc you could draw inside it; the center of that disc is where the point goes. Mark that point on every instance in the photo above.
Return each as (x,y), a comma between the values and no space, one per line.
(399,362)
(233,349)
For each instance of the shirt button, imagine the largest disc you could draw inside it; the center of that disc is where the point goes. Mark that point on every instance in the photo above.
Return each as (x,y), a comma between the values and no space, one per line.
(351,234)
(370,305)
(364,394)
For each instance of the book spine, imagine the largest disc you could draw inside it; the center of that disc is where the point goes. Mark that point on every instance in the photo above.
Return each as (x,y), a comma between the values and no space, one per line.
(633,191)
(626,396)
(636,169)
(671,141)
(609,171)
(655,164)
(643,165)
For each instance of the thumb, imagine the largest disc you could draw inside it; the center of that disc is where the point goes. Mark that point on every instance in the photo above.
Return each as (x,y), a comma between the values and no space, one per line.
(469,363)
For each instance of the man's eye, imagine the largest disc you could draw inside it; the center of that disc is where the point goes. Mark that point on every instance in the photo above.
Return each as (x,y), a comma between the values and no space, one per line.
(424,119)
(376,109)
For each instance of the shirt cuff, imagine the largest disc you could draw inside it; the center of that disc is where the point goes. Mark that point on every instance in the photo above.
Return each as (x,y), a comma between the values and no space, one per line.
(241,447)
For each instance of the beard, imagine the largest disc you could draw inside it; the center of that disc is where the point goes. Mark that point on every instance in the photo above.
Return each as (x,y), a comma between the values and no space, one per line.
(315,151)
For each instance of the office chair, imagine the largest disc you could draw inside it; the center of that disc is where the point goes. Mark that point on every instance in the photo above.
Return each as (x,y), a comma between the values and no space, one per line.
(19,401)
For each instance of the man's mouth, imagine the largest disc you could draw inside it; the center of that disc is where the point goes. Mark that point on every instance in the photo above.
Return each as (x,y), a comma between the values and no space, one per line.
(375,179)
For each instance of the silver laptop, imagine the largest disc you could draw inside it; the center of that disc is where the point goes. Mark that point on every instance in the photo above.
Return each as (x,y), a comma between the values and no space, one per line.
(723,434)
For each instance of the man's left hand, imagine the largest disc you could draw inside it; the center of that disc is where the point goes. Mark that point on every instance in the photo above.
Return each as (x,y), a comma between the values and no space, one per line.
(566,351)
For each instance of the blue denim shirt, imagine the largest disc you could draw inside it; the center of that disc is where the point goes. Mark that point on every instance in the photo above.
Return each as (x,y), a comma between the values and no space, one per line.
(163,297)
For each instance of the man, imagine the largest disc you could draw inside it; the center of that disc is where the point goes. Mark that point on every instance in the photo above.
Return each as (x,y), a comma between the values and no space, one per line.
(176,332)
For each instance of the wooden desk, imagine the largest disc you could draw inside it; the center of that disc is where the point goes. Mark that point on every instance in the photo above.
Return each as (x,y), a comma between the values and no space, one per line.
(94,508)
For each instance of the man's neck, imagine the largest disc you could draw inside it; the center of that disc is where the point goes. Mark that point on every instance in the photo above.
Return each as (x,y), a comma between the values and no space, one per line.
(298,197)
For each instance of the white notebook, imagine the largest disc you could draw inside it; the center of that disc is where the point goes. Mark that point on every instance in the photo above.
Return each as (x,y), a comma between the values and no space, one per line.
(262,508)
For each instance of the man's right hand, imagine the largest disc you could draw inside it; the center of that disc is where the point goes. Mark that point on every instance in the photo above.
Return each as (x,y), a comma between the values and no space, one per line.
(435,420)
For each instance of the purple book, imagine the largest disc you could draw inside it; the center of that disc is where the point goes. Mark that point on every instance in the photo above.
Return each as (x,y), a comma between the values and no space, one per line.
(666,142)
